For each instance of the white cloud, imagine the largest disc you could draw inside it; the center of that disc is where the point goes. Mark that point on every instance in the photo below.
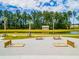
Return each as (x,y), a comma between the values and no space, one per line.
(58,8)
(33,4)
(43,0)
(73,4)
(25,3)
(21,3)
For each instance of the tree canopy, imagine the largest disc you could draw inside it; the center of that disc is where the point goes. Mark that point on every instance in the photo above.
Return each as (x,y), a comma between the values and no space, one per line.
(20,19)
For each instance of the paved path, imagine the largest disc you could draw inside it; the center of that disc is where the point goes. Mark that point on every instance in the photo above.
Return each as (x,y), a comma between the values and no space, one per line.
(40,47)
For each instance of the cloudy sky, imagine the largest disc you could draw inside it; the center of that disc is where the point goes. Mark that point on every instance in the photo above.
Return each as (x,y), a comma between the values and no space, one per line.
(48,5)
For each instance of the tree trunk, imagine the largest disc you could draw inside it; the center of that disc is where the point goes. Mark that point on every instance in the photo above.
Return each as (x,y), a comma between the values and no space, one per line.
(5,25)
(29,29)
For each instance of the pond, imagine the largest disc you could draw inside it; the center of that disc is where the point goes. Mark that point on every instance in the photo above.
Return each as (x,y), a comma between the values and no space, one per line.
(74,32)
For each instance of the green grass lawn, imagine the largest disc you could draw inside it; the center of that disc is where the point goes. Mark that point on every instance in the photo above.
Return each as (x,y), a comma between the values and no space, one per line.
(36,30)
(23,33)
(16,37)
(34,35)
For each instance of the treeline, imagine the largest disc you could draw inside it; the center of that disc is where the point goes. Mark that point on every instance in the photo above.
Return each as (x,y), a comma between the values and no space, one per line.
(21,20)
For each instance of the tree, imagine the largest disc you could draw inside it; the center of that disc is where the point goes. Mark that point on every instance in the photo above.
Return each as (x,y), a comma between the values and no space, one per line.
(52,20)
(67,20)
(37,19)
(77,19)
(24,19)
(5,18)
(1,12)
(47,17)
(20,19)
(62,21)
(5,22)
(73,15)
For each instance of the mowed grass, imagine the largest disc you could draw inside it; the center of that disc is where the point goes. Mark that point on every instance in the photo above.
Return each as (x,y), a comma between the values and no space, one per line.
(24,33)
(34,35)
(16,37)
(36,30)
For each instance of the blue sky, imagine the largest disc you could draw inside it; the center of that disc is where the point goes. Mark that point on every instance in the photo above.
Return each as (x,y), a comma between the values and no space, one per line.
(42,5)
(49,5)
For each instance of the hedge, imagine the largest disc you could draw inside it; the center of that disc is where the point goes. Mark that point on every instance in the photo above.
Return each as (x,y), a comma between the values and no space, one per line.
(36,31)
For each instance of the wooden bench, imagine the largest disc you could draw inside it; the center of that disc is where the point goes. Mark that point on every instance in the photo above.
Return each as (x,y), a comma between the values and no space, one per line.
(57,37)
(7,43)
(39,38)
(72,44)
